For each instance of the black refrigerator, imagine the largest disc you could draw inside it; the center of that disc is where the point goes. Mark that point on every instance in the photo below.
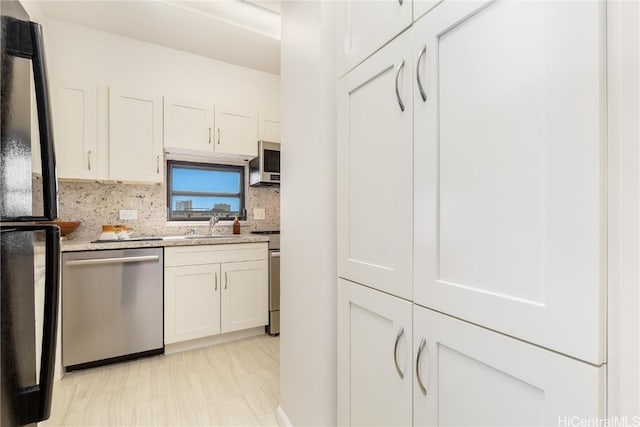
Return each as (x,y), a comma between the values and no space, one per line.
(28,195)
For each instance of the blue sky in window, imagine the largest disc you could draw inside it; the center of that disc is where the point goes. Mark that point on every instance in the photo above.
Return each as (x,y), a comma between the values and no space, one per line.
(206,180)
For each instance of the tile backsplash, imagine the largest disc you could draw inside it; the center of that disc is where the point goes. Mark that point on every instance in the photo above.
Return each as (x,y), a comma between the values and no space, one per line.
(95,204)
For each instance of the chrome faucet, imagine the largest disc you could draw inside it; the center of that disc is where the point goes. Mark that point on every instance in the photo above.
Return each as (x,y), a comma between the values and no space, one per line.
(212,223)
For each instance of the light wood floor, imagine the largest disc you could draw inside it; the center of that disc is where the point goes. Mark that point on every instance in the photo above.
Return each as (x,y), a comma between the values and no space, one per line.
(229,384)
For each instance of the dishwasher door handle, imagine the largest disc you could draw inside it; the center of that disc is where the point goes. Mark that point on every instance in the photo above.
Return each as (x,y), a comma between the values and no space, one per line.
(113,260)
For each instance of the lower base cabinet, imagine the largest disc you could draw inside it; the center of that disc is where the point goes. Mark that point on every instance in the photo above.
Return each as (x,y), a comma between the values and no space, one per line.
(214,289)
(456,373)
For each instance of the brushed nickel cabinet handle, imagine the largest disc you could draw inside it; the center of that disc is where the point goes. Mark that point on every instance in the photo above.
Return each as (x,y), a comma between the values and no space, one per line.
(218,136)
(226,280)
(89,159)
(400,1)
(209,135)
(423,94)
(216,276)
(423,389)
(400,103)
(395,352)
(157,164)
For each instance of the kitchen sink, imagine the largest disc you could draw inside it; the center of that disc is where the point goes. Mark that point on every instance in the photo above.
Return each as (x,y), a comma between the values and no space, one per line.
(195,237)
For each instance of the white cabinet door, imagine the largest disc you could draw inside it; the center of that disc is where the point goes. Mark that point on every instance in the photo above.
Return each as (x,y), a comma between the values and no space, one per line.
(420,7)
(375,171)
(269,129)
(374,357)
(472,377)
(244,295)
(366,25)
(236,131)
(191,302)
(509,177)
(135,140)
(75,126)
(188,124)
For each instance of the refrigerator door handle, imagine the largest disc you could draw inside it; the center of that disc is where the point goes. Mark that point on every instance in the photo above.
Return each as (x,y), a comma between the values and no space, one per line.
(25,40)
(35,401)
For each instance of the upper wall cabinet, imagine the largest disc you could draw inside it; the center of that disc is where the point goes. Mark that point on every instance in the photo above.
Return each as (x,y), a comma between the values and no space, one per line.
(268,128)
(364,26)
(236,131)
(195,125)
(188,124)
(375,139)
(75,127)
(510,224)
(135,143)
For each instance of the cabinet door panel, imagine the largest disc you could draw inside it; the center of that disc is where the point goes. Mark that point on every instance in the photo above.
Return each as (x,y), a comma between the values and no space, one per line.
(375,171)
(269,130)
(244,295)
(76,135)
(509,175)
(236,131)
(192,302)
(364,26)
(188,124)
(474,376)
(135,141)
(370,388)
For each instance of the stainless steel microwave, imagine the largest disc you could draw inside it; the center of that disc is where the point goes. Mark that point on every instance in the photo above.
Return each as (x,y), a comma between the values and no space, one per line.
(264,170)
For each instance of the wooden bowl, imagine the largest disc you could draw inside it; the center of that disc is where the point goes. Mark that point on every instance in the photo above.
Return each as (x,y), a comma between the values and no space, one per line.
(66,227)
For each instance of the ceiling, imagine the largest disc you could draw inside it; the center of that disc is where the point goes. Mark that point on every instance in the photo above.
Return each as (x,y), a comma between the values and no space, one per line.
(242,32)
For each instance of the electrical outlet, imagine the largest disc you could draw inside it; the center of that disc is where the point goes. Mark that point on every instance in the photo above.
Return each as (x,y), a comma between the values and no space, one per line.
(258,213)
(128,214)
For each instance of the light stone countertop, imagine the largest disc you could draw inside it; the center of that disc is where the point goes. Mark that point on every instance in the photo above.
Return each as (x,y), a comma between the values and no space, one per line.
(73,245)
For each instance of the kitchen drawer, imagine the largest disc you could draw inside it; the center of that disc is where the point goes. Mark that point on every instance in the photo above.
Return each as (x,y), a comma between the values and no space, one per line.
(207,254)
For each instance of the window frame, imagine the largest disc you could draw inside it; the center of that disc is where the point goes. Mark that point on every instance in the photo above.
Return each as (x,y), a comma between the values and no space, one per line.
(242,195)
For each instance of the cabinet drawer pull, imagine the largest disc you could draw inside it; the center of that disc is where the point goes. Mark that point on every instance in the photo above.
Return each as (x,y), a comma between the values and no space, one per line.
(218,136)
(216,276)
(157,164)
(395,352)
(226,280)
(209,135)
(89,159)
(423,389)
(400,103)
(423,94)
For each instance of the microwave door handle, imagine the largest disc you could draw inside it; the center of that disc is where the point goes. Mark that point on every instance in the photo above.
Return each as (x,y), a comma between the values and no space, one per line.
(25,41)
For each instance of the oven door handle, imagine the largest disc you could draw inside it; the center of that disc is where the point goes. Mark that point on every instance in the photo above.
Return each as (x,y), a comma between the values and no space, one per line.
(275,254)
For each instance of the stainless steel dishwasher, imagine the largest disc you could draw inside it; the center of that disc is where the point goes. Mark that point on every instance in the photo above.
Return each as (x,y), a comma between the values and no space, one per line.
(112,306)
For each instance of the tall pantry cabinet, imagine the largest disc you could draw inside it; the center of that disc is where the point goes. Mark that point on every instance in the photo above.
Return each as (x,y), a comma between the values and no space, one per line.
(483,125)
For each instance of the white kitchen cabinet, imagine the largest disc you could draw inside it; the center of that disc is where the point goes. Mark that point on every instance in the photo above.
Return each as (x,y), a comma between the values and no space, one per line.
(269,128)
(236,131)
(188,124)
(192,302)
(75,112)
(472,376)
(420,7)
(213,289)
(375,368)
(364,26)
(244,302)
(135,136)
(510,223)
(375,171)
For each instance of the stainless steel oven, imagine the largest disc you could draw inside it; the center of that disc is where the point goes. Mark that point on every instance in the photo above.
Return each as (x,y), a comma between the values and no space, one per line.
(274,281)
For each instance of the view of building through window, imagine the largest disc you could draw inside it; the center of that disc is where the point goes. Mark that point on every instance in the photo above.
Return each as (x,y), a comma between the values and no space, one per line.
(197,191)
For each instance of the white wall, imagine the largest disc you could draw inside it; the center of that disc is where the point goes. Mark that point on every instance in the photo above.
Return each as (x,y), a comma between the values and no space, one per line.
(308,210)
(623,56)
